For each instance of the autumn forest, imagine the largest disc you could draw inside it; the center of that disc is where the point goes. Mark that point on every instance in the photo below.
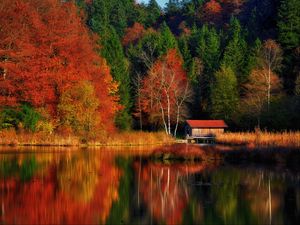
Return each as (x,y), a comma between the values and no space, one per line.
(93,67)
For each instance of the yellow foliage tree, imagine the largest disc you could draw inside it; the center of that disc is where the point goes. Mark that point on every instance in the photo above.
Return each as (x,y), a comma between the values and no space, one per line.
(78,109)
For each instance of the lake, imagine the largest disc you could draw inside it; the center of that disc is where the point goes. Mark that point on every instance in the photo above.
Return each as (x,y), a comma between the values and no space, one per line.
(126,186)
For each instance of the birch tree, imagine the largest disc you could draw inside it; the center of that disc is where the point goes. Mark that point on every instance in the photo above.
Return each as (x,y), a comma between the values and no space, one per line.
(165,91)
(271,57)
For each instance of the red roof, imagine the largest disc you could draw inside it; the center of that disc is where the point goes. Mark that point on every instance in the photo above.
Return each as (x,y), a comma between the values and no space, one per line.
(206,123)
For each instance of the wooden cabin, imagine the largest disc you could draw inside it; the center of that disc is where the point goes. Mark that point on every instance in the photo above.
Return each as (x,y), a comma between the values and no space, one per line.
(204,129)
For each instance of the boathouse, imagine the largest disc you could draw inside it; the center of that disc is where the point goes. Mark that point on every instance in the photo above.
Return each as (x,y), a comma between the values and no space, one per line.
(204,129)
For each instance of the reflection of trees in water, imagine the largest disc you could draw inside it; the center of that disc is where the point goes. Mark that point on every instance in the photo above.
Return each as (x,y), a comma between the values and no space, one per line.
(78,176)
(49,199)
(165,190)
(196,194)
(241,196)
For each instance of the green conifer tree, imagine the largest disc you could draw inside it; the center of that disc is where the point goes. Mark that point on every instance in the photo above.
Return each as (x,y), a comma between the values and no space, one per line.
(167,39)
(112,51)
(154,13)
(224,94)
(289,38)
(252,57)
(235,50)
(289,23)
(208,48)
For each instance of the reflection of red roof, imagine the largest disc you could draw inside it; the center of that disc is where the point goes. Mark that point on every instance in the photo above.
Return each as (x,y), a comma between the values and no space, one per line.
(206,123)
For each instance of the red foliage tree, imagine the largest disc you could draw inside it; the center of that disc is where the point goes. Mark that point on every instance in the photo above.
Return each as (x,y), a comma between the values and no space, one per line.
(211,12)
(164,90)
(44,50)
(133,34)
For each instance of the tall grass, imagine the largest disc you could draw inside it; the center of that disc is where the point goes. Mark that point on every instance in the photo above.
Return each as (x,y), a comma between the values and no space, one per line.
(133,138)
(11,137)
(261,139)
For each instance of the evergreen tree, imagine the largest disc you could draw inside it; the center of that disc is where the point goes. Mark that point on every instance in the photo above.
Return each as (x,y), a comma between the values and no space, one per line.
(185,52)
(119,14)
(168,40)
(208,48)
(224,94)
(112,51)
(289,38)
(153,11)
(118,19)
(192,65)
(289,23)
(173,6)
(234,54)
(252,60)
(98,15)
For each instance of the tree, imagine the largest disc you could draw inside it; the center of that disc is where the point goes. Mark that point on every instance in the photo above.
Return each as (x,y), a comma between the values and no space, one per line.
(234,53)
(258,89)
(185,52)
(154,13)
(211,12)
(113,52)
(208,48)
(78,108)
(208,51)
(252,58)
(133,34)
(167,39)
(116,13)
(47,49)
(289,38)
(289,23)
(271,56)
(165,90)
(224,94)
(172,7)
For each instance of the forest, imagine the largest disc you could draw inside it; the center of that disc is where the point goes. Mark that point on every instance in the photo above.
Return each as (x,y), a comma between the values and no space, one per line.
(96,66)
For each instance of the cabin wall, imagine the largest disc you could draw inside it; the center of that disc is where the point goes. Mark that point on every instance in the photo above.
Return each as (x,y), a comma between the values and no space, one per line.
(206,131)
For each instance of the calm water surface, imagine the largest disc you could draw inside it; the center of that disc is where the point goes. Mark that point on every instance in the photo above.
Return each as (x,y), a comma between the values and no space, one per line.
(119,187)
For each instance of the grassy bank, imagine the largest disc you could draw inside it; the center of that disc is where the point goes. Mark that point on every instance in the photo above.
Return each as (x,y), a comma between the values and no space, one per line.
(13,138)
(260,139)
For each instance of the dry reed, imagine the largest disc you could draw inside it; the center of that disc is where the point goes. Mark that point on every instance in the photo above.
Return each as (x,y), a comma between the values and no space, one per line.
(261,139)
(134,138)
(11,137)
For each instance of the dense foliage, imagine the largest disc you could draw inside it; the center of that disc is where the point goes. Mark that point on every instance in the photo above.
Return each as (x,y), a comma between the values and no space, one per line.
(240,59)
(45,49)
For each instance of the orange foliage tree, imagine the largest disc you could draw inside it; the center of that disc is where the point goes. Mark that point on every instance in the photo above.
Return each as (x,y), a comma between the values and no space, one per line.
(133,34)
(45,49)
(212,12)
(165,91)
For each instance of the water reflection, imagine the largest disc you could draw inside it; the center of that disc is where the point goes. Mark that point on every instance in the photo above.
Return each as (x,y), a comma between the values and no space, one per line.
(112,187)
(73,189)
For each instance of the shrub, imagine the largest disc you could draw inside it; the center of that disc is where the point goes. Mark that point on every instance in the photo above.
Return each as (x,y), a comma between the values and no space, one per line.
(23,117)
